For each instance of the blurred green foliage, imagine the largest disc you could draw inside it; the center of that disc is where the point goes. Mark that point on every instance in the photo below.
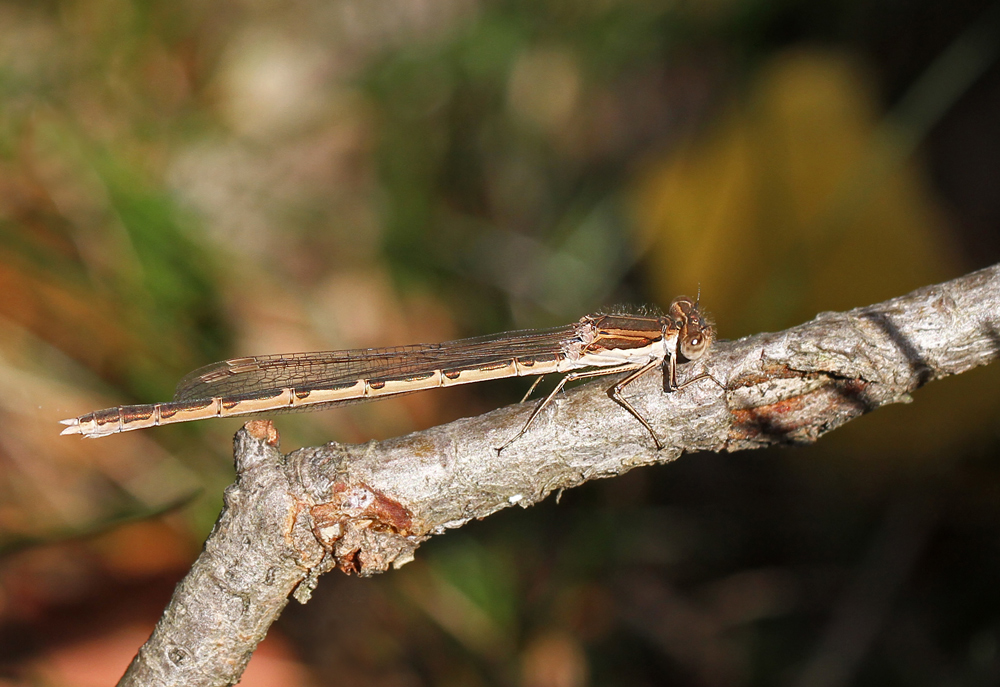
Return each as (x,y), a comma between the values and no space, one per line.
(184,182)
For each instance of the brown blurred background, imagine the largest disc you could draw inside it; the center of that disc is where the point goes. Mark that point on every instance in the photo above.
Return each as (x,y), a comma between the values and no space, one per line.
(182,182)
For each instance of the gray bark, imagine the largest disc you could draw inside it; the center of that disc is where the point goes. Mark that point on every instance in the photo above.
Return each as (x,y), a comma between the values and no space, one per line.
(289,518)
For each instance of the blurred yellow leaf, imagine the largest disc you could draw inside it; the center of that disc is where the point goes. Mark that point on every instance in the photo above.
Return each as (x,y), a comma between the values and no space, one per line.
(796,202)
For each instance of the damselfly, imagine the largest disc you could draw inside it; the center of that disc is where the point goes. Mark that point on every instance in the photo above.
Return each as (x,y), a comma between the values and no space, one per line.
(259,385)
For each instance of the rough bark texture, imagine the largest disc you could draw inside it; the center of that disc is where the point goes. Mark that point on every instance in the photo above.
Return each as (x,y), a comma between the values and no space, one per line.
(290,518)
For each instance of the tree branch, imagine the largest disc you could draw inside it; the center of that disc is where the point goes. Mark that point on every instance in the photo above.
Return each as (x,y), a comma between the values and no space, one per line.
(288,519)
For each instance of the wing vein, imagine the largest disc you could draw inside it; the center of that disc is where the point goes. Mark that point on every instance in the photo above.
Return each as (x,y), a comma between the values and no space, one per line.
(315,370)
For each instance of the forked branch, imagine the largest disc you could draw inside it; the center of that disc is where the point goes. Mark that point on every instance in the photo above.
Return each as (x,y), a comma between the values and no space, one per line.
(290,518)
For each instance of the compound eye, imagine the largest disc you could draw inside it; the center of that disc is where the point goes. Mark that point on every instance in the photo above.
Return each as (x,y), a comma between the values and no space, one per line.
(694,348)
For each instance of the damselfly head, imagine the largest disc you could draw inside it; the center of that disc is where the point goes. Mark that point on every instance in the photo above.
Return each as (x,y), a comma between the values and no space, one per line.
(696,332)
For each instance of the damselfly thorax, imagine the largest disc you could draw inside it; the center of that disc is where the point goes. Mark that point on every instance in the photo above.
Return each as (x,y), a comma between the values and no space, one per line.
(594,346)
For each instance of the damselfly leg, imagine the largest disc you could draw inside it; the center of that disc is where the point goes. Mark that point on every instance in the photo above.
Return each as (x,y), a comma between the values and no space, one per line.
(573,376)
